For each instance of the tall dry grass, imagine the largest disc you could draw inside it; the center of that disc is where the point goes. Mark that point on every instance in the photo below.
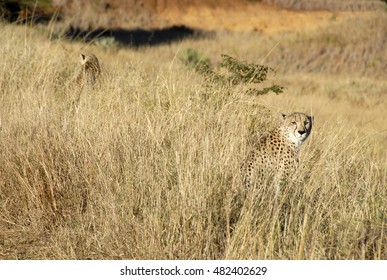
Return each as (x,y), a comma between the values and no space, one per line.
(146,165)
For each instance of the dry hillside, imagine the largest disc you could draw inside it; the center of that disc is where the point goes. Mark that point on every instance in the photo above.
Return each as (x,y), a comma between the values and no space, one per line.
(233,15)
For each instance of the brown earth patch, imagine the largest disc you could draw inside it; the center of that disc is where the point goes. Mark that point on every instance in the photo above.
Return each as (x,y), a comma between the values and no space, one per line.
(228,15)
(247,17)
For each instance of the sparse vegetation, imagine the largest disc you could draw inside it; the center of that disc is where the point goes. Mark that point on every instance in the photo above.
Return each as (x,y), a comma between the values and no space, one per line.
(239,72)
(147,165)
(197,60)
(107,43)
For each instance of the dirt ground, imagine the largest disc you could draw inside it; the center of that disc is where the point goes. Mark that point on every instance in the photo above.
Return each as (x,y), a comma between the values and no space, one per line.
(227,15)
(247,17)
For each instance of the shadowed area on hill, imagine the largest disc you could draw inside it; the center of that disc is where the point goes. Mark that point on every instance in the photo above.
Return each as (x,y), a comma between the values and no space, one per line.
(137,37)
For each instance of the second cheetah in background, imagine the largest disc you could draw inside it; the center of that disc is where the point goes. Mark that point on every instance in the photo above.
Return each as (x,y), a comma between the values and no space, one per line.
(90,70)
(276,156)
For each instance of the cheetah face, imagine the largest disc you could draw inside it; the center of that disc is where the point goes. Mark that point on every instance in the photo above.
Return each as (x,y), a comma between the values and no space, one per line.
(297,127)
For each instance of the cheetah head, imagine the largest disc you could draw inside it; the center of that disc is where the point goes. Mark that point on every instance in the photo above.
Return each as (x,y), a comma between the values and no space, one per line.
(297,127)
(89,59)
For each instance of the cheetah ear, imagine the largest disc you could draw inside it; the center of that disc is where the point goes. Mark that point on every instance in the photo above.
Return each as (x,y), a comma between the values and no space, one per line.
(82,57)
(282,116)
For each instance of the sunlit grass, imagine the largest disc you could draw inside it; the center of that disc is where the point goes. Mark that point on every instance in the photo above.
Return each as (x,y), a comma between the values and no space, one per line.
(147,165)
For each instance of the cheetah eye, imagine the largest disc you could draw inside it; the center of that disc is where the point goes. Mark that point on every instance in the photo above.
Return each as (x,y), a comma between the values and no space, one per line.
(293,123)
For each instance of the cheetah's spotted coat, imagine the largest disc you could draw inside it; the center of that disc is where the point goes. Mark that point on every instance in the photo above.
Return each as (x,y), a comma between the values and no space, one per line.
(90,70)
(276,156)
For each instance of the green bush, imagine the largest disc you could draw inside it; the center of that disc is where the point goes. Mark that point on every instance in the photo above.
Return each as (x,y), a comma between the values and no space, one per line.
(239,72)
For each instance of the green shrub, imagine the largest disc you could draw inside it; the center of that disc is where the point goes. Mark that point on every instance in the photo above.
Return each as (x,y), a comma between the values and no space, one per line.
(239,72)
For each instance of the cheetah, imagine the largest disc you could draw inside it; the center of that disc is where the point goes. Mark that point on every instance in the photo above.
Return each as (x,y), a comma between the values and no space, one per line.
(90,70)
(276,156)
